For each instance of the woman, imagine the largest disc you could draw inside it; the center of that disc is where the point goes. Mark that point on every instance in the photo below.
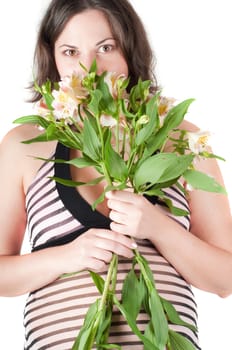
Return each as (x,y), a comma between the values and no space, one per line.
(182,252)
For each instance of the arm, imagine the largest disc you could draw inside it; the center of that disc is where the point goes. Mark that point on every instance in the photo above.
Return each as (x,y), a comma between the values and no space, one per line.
(24,273)
(17,272)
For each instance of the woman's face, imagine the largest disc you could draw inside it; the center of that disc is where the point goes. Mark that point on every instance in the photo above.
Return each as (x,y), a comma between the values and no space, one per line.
(87,36)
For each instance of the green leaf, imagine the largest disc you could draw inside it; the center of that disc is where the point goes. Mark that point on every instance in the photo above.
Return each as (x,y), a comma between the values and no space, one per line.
(107,103)
(51,131)
(132,294)
(100,199)
(46,92)
(153,305)
(162,186)
(145,270)
(150,334)
(82,340)
(206,154)
(157,168)
(146,305)
(132,324)
(173,315)
(202,181)
(91,143)
(125,111)
(176,167)
(156,311)
(174,210)
(98,281)
(92,119)
(71,183)
(158,318)
(93,105)
(41,138)
(148,129)
(154,192)
(114,163)
(104,325)
(67,135)
(176,115)
(110,346)
(32,119)
(173,119)
(179,342)
(93,68)
(55,132)
(150,170)
(152,108)
(81,162)
(139,93)
(103,322)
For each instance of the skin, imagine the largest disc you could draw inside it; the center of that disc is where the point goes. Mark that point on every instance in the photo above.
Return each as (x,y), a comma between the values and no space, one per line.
(203,256)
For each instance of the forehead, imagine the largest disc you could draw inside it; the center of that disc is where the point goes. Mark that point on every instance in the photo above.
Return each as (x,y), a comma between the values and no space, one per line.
(87,25)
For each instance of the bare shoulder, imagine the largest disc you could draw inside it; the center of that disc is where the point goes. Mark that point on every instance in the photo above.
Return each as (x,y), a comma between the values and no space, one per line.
(19,159)
(188,126)
(12,142)
(18,134)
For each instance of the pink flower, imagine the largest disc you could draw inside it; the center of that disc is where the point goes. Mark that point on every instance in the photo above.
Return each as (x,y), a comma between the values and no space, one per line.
(72,85)
(114,82)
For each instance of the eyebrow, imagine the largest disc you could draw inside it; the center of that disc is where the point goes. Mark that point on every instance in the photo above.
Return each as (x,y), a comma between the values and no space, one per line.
(102,41)
(75,47)
(69,46)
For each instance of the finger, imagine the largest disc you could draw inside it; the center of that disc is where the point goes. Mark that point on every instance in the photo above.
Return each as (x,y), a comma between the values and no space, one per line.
(121,229)
(119,206)
(95,265)
(107,246)
(114,236)
(101,251)
(124,196)
(118,217)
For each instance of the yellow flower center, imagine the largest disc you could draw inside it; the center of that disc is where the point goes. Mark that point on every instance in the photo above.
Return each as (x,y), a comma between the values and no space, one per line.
(162,109)
(203,140)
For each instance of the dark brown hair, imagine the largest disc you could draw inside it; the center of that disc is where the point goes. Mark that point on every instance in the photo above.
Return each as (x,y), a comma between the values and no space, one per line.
(126,27)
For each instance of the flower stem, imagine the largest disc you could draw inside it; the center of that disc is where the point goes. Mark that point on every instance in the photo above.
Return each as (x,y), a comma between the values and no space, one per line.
(106,296)
(109,285)
(147,280)
(111,272)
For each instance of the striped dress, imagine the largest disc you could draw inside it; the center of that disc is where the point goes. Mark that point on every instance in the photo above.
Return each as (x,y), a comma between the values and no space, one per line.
(54,314)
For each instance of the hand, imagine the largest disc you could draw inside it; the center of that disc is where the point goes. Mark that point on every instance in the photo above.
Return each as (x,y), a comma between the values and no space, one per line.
(132,214)
(93,250)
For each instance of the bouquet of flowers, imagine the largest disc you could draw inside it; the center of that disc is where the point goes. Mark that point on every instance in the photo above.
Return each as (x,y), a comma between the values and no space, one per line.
(123,135)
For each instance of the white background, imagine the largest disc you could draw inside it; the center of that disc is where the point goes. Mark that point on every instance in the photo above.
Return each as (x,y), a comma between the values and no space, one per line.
(192,41)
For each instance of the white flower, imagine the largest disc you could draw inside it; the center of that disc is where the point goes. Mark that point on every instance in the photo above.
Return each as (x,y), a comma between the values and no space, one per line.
(42,109)
(114,81)
(197,141)
(107,120)
(165,104)
(65,107)
(72,85)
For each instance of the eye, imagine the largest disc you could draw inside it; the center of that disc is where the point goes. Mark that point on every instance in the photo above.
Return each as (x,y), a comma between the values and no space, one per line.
(71,52)
(106,48)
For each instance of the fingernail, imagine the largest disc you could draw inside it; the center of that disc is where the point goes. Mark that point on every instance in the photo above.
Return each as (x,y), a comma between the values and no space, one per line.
(134,245)
(108,194)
